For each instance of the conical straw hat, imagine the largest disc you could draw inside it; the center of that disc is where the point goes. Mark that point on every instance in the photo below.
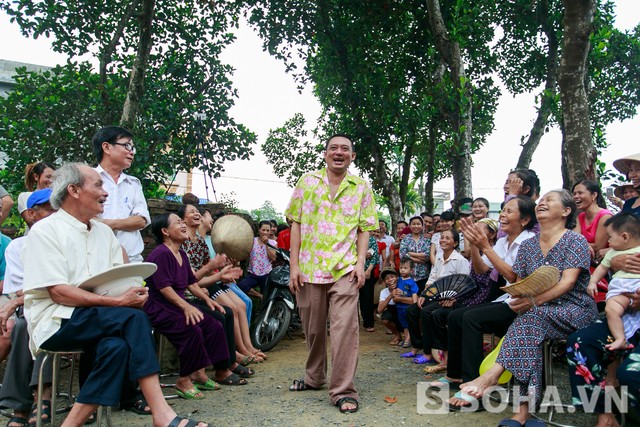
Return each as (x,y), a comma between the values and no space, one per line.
(624,164)
(232,235)
(536,283)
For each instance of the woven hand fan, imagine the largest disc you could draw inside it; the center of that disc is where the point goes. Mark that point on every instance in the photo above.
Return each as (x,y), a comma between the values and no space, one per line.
(534,284)
(449,287)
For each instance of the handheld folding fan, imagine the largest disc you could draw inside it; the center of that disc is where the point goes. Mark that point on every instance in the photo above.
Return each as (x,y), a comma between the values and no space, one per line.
(454,286)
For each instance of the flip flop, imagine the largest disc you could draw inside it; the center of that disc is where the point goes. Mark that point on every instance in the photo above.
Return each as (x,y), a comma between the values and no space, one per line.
(178,419)
(247,360)
(422,360)
(408,354)
(435,369)
(192,394)
(344,400)
(300,385)
(508,422)
(473,402)
(243,371)
(443,382)
(19,420)
(233,379)
(207,385)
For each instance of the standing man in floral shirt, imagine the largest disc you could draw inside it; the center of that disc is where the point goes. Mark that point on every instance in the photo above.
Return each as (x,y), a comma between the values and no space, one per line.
(332,213)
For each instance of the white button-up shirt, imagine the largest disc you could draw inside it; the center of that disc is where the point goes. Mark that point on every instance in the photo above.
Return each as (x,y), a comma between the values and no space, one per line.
(125,200)
(61,250)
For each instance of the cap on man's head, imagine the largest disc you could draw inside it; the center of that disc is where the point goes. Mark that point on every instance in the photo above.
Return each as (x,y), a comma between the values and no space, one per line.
(39,197)
(387,271)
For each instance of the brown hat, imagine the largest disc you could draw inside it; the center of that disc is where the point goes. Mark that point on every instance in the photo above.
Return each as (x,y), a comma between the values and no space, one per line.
(619,190)
(233,236)
(386,271)
(624,164)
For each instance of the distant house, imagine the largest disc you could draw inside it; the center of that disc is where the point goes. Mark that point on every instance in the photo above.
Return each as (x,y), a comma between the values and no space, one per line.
(8,71)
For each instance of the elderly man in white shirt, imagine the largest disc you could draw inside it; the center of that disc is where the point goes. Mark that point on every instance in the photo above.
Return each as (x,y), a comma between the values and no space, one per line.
(125,211)
(64,250)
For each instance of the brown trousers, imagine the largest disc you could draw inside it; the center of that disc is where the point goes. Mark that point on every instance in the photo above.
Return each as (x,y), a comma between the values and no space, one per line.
(339,300)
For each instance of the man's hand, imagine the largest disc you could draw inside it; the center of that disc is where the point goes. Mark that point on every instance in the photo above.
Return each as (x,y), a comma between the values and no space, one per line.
(358,275)
(420,302)
(133,297)
(6,311)
(296,280)
(628,262)
(447,303)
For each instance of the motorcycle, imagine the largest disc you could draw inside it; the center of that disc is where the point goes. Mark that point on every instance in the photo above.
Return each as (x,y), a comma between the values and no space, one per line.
(277,312)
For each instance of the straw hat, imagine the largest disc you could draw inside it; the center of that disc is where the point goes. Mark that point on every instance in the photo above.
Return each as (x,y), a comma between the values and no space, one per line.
(233,236)
(536,283)
(619,190)
(624,163)
(118,279)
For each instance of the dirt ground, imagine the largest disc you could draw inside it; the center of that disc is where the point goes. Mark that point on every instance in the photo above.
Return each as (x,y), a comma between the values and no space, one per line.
(266,401)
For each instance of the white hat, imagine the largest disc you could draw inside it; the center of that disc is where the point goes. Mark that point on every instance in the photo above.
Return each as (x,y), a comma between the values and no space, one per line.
(118,279)
(624,164)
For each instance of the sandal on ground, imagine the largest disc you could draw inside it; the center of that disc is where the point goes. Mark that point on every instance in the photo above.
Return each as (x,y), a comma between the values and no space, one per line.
(394,341)
(406,344)
(207,385)
(193,393)
(247,360)
(435,369)
(408,354)
(17,422)
(138,407)
(243,372)
(300,385)
(473,403)
(422,360)
(370,329)
(93,417)
(178,419)
(233,379)
(508,422)
(46,413)
(344,400)
(444,382)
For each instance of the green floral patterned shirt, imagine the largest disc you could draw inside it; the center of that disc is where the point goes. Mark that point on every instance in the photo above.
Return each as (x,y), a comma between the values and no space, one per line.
(329,228)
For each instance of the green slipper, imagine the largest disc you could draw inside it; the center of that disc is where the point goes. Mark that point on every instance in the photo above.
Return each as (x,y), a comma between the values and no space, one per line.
(192,394)
(208,385)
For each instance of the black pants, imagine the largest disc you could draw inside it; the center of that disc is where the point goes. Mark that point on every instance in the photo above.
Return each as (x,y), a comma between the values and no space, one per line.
(428,326)
(466,327)
(227,323)
(366,301)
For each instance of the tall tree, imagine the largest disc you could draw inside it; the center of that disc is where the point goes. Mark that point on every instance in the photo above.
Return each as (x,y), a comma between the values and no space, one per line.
(158,66)
(578,152)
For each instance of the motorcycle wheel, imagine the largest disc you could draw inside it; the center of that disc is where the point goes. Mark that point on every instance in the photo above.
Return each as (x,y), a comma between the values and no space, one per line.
(269,331)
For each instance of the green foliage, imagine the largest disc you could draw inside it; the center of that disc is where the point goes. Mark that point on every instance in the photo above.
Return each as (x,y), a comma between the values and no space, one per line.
(288,151)
(266,212)
(52,116)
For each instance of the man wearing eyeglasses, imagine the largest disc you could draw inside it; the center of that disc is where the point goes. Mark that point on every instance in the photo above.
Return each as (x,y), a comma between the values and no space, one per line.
(125,210)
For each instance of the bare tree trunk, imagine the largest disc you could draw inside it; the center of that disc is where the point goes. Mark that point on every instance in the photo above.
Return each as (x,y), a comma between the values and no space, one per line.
(462,123)
(431,156)
(405,173)
(107,53)
(548,94)
(578,152)
(136,83)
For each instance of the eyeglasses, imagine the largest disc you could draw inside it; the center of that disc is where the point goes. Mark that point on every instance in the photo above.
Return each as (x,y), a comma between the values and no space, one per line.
(127,146)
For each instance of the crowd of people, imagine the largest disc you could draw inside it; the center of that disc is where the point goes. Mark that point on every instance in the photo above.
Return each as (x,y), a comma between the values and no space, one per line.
(82,221)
